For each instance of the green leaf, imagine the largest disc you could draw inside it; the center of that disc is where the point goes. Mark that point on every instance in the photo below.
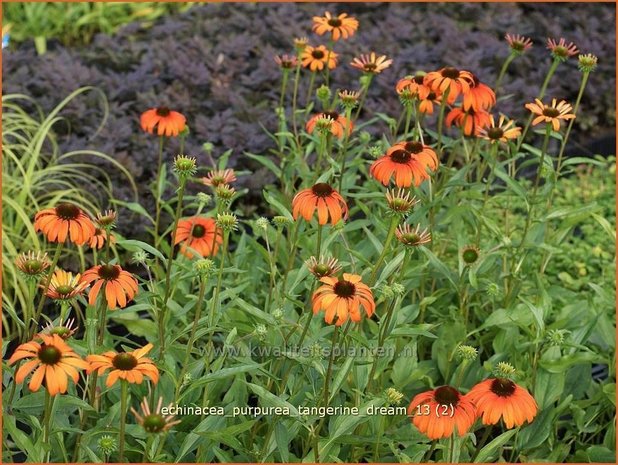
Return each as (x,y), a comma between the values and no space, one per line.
(490,451)
(271,400)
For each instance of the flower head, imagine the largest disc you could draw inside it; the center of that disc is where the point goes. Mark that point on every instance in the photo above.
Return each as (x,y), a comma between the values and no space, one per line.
(438,412)
(32,264)
(561,50)
(65,221)
(455,80)
(300,43)
(467,353)
(64,286)
(498,398)
(118,285)
(52,360)
(550,114)
(340,27)
(281,221)
(470,121)
(503,131)
(323,267)
(479,97)
(64,330)
(218,178)
(286,62)
(130,366)
(198,233)
(518,43)
(343,298)
(393,396)
(107,444)
(338,125)
(101,236)
(412,236)
(470,254)
(185,166)
(317,58)
(167,122)
(349,98)
(227,221)
(408,161)
(587,63)
(204,267)
(323,198)
(400,201)
(154,421)
(106,219)
(371,63)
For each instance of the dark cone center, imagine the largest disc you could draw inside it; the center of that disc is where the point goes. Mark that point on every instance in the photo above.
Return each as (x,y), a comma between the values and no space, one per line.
(49,355)
(322,189)
(64,289)
(317,54)
(163,111)
(450,73)
(33,266)
(198,231)
(470,256)
(446,395)
(414,147)
(401,156)
(370,66)
(495,133)
(502,387)
(344,289)
(321,269)
(124,362)
(411,238)
(432,96)
(331,114)
(419,79)
(68,211)
(109,272)
(550,112)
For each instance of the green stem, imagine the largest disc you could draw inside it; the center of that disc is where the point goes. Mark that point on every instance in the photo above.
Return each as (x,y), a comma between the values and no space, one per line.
(309,92)
(215,300)
(481,443)
(47,282)
(344,147)
(295,98)
(387,242)
(441,117)
(364,92)
(319,244)
(123,417)
(47,421)
(284,84)
(505,66)
(157,193)
(493,154)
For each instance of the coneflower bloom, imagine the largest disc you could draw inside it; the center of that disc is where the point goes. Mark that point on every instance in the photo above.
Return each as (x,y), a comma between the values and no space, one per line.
(339,126)
(470,122)
(427,100)
(200,234)
(286,61)
(154,421)
(167,122)
(503,131)
(411,84)
(130,366)
(119,285)
(218,178)
(455,80)
(412,237)
(562,50)
(64,286)
(479,97)
(323,198)
(501,398)
(323,267)
(106,219)
(100,237)
(65,221)
(52,360)
(371,63)
(341,27)
(400,201)
(32,264)
(438,412)
(64,330)
(343,298)
(408,161)
(550,113)
(316,58)
(518,43)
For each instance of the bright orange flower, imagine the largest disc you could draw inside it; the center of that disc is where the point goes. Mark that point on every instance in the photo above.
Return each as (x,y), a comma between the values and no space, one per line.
(339,126)
(343,298)
(130,366)
(371,63)
(427,100)
(65,221)
(167,122)
(457,81)
(53,360)
(199,233)
(100,236)
(64,286)
(412,84)
(437,413)
(341,27)
(479,97)
(550,113)
(501,132)
(501,398)
(119,285)
(325,199)
(315,58)
(218,178)
(470,122)
(408,161)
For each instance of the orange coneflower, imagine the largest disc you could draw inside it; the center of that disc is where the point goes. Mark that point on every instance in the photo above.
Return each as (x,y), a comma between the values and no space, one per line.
(518,43)
(437,413)
(342,26)
(470,122)
(427,100)
(130,366)
(168,123)
(455,80)
(371,63)
(64,286)
(65,221)
(501,398)
(198,233)
(408,161)
(412,84)
(322,197)
(120,285)
(154,421)
(339,126)
(479,97)
(218,178)
(100,237)
(562,50)
(501,132)
(550,113)
(315,58)
(53,360)
(343,298)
